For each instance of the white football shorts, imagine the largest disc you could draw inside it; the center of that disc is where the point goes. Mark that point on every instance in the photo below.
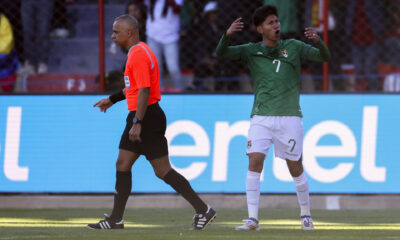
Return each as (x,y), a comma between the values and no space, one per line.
(286,133)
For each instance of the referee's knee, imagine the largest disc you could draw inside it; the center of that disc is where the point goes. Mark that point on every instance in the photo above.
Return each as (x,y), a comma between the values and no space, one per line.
(161,166)
(122,166)
(160,173)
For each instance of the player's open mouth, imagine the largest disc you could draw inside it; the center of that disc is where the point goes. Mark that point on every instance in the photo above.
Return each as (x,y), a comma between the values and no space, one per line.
(277,32)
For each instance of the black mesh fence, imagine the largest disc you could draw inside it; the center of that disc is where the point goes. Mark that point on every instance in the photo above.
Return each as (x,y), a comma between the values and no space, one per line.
(53,45)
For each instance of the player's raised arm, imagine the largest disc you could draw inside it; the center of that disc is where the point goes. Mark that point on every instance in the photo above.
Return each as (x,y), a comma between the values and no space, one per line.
(236,26)
(223,48)
(311,34)
(320,52)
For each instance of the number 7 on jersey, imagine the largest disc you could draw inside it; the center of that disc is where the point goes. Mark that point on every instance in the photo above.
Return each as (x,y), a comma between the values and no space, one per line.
(279,64)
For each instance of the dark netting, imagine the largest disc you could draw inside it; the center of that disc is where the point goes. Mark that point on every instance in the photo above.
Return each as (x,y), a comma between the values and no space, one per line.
(53,45)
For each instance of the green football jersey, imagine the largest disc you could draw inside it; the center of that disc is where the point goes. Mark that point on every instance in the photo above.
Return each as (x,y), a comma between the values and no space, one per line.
(275,72)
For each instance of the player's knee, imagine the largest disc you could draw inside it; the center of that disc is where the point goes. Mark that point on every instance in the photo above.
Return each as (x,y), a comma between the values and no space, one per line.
(255,167)
(295,168)
(256,162)
(295,172)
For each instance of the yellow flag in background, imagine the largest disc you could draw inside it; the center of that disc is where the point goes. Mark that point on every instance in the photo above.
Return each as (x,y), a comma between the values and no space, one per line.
(6,35)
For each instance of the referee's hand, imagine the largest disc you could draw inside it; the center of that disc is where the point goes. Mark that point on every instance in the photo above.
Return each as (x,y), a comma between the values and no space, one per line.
(134,133)
(103,104)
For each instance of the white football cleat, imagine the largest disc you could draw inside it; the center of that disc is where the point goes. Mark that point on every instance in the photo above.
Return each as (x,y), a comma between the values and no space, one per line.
(249,224)
(307,223)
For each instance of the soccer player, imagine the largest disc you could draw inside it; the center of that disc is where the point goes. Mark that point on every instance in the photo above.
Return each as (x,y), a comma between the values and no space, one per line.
(274,65)
(144,133)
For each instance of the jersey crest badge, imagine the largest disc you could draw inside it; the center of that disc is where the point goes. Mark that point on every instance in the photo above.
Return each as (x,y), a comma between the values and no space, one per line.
(284,53)
(249,144)
(127,82)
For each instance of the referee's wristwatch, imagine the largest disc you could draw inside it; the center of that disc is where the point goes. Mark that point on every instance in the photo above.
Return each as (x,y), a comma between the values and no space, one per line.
(135,120)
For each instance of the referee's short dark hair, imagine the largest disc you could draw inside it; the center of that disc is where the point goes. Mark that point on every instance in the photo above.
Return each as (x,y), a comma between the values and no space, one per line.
(262,13)
(132,21)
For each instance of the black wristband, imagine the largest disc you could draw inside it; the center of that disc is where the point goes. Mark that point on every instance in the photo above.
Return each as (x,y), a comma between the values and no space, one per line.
(118,96)
(135,120)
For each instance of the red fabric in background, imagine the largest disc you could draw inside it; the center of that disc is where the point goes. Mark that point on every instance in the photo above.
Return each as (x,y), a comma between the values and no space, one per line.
(362,32)
(7,84)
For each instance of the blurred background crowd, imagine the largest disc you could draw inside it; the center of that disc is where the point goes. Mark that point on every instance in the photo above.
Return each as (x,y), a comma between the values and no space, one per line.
(53,45)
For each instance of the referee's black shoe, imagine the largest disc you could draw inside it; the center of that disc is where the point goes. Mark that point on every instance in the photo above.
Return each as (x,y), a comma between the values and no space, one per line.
(107,223)
(201,220)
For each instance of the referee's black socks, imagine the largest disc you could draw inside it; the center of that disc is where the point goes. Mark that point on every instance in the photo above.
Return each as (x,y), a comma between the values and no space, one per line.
(123,187)
(182,186)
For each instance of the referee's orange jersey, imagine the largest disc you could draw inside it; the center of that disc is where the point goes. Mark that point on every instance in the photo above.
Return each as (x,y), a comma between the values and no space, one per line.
(141,71)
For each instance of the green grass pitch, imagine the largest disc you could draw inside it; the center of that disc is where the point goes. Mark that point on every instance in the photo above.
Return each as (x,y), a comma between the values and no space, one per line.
(174,224)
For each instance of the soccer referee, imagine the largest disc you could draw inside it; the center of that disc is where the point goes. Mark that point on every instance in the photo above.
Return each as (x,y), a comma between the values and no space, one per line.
(144,133)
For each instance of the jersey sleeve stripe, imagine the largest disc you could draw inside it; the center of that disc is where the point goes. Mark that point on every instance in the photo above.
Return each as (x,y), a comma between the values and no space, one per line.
(152,64)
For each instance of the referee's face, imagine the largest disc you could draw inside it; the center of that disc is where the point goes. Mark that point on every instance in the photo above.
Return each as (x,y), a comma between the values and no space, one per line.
(120,33)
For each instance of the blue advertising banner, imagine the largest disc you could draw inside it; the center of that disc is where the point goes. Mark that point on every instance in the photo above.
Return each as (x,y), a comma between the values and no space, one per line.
(63,144)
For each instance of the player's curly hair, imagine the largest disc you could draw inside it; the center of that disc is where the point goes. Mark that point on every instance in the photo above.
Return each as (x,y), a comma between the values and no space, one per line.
(262,13)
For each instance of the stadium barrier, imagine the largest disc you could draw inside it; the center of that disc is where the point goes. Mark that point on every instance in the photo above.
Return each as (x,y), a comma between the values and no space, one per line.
(62,144)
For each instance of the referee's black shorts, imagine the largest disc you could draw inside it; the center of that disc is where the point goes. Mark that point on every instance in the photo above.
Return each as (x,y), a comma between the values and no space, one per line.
(153,144)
